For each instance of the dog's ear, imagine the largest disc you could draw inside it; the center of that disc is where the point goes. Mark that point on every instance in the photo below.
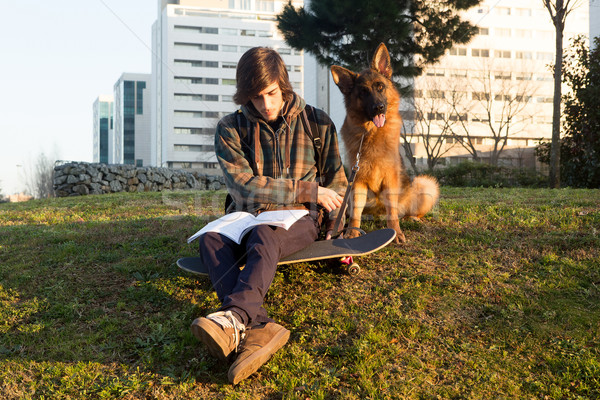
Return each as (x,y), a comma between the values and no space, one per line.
(343,78)
(381,61)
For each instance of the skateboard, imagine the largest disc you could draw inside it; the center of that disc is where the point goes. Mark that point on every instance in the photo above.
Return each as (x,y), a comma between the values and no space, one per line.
(343,249)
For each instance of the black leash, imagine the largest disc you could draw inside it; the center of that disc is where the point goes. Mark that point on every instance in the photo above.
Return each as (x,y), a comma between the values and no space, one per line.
(355,169)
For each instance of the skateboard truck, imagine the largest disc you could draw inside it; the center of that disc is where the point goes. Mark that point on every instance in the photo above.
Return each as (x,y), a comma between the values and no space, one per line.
(352,268)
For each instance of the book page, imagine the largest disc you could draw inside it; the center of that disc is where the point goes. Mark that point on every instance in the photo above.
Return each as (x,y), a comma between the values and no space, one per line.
(231,225)
(237,224)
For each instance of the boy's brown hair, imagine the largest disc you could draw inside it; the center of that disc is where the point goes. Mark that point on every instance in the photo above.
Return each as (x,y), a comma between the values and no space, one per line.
(258,68)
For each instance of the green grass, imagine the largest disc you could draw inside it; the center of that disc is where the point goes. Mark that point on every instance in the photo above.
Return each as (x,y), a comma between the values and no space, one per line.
(496,295)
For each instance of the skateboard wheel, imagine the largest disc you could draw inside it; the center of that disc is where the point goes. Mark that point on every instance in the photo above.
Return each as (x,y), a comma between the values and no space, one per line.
(353,269)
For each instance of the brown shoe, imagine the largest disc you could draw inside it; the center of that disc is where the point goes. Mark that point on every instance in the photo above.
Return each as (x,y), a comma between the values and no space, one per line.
(221,332)
(260,344)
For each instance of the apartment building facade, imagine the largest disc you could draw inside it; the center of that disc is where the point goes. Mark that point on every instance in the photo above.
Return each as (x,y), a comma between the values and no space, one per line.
(493,97)
(132,116)
(103,128)
(196,46)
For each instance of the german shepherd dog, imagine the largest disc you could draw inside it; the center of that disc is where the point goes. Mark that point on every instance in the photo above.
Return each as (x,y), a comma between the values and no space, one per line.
(373,119)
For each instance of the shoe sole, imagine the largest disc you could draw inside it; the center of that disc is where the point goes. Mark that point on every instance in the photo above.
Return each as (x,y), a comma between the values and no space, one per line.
(256,360)
(211,335)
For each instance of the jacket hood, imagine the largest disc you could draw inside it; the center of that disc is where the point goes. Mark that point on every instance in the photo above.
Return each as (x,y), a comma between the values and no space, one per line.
(291,109)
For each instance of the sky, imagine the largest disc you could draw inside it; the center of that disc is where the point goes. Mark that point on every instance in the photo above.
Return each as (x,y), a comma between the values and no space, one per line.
(57,57)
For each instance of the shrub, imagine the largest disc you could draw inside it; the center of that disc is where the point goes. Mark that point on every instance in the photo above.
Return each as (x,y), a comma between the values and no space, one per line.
(473,174)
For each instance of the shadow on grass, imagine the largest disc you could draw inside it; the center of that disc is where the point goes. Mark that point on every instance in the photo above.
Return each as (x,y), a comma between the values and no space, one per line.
(104,292)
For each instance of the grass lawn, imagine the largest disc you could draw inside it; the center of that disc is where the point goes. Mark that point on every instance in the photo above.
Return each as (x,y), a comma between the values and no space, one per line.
(496,295)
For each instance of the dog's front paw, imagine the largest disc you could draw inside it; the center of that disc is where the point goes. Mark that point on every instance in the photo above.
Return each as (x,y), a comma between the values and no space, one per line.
(351,233)
(400,238)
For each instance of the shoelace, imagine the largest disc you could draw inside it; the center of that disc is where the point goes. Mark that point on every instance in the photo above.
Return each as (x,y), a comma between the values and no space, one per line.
(227,320)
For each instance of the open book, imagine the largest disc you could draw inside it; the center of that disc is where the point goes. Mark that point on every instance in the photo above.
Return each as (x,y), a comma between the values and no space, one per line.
(237,224)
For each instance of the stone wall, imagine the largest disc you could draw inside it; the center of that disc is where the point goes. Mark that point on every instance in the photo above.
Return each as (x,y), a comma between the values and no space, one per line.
(80,178)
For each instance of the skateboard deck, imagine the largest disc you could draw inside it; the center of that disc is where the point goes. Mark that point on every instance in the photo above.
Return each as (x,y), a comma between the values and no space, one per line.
(344,249)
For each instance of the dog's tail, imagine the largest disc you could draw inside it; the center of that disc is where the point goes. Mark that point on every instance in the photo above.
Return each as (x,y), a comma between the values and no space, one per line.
(422,197)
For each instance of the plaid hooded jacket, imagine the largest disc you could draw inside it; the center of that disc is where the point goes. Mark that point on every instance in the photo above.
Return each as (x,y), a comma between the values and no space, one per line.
(267,169)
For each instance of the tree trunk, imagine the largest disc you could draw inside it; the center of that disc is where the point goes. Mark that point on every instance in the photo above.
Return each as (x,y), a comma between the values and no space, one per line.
(554,178)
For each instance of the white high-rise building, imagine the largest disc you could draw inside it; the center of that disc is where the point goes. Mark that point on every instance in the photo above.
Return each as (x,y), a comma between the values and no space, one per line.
(594,20)
(133,141)
(501,83)
(196,46)
(103,128)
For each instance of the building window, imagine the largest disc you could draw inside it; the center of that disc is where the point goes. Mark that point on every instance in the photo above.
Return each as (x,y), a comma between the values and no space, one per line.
(544,56)
(229,49)
(435,116)
(436,72)
(228,82)
(197,46)
(188,114)
(480,118)
(505,11)
(458,73)
(240,4)
(523,12)
(524,55)
(197,63)
(196,81)
(502,32)
(502,75)
(139,109)
(523,33)
(436,94)
(228,65)
(193,131)
(480,52)
(524,76)
(193,147)
(502,53)
(483,31)
(460,117)
(247,32)
(196,97)
(198,29)
(228,31)
(458,51)
(544,35)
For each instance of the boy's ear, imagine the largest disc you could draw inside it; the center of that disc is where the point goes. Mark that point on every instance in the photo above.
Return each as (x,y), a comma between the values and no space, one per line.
(381,61)
(343,78)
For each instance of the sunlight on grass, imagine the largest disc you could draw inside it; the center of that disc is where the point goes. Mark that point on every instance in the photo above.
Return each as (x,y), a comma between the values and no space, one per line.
(495,295)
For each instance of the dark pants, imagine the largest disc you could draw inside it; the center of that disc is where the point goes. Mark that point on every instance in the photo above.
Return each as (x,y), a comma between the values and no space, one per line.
(243,291)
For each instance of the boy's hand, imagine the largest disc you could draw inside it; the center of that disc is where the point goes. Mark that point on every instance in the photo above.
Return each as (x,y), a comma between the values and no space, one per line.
(328,199)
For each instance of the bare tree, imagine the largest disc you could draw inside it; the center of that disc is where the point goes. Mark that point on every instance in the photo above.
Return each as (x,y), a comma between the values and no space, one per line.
(499,100)
(432,121)
(40,181)
(559,10)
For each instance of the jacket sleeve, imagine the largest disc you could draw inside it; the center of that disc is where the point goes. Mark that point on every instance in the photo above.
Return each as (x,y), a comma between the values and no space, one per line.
(247,187)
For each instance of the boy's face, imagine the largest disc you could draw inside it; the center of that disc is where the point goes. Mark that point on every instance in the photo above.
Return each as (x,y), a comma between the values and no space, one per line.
(269,102)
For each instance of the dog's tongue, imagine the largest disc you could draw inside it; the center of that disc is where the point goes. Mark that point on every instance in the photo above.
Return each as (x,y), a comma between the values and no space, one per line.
(379,120)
